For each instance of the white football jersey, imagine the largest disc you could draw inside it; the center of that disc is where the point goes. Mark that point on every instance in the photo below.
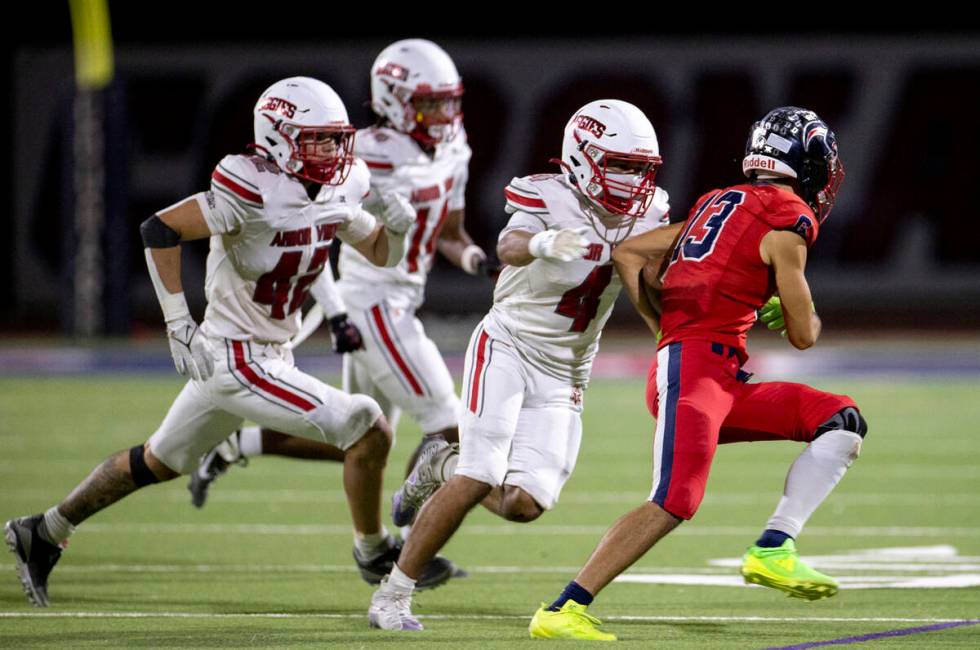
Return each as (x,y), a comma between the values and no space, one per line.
(434,185)
(553,312)
(270,242)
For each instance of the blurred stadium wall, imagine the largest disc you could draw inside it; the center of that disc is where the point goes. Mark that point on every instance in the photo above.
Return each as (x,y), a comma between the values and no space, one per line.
(902,247)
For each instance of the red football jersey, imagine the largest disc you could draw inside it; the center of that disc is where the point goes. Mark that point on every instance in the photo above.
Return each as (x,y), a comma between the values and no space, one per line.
(717,280)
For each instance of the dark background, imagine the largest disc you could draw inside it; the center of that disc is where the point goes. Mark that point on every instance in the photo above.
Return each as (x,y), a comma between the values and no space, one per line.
(902,249)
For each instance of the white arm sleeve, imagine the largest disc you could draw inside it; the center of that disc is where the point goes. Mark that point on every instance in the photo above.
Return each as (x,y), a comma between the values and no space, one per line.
(325,292)
(361,224)
(309,325)
(174,305)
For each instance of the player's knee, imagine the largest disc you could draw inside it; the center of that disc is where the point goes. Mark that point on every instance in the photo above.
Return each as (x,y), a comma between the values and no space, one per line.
(374,446)
(146,469)
(846,419)
(519,506)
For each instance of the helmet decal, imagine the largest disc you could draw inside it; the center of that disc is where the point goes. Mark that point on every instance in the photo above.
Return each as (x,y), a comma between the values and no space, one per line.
(794,142)
(415,87)
(301,125)
(611,156)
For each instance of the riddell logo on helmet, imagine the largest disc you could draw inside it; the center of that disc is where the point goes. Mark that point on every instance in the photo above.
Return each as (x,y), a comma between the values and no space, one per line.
(590,124)
(392,70)
(281,106)
(756,162)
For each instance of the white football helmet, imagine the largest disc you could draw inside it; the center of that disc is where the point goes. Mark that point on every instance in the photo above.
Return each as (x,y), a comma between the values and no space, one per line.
(301,123)
(415,86)
(611,152)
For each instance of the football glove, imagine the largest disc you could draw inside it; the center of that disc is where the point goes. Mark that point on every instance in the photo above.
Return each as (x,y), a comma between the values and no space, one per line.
(346,336)
(772,315)
(397,213)
(473,260)
(191,355)
(562,245)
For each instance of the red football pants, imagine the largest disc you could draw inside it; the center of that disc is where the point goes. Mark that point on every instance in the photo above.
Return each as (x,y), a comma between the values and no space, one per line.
(695,392)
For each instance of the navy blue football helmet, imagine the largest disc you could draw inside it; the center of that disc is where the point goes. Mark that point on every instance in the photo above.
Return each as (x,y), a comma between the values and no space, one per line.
(794,142)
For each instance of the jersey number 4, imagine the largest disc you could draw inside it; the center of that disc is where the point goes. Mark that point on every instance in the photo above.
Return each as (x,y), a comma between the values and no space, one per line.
(701,233)
(581,303)
(274,287)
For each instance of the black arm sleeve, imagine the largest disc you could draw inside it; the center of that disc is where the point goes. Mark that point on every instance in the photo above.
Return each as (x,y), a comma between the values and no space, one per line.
(157,234)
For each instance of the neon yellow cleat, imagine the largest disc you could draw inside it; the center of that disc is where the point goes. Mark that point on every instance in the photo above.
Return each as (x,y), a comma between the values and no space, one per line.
(781,568)
(570,622)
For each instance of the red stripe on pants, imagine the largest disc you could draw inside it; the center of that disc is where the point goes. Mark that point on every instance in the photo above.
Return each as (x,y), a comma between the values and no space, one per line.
(390,344)
(481,349)
(267,386)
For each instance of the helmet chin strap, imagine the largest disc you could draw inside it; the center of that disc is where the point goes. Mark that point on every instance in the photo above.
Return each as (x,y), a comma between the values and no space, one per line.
(599,218)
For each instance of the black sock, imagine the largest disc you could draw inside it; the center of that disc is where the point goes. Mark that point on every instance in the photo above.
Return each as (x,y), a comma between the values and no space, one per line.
(573,591)
(772,539)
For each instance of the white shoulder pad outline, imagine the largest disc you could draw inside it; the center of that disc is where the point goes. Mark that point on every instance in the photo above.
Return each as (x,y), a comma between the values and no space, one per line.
(522,195)
(236,177)
(358,183)
(381,148)
(459,148)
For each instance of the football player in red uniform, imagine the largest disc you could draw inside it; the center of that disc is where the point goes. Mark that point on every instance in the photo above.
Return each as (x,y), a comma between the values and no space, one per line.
(738,247)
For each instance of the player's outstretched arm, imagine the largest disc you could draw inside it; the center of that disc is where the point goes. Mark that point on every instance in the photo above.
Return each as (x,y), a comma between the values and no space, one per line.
(162,234)
(520,247)
(634,259)
(512,248)
(785,252)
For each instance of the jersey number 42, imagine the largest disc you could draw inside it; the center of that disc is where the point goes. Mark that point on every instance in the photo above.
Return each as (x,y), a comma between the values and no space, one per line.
(275,287)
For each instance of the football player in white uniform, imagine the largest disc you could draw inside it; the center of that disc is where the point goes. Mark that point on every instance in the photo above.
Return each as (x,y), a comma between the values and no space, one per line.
(271,217)
(418,150)
(530,358)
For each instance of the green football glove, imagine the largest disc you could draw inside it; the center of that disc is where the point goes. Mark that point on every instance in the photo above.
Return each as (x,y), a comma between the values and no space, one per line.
(772,315)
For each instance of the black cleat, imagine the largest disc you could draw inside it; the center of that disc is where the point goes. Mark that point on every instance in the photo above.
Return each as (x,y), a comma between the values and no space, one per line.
(35,556)
(213,464)
(437,572)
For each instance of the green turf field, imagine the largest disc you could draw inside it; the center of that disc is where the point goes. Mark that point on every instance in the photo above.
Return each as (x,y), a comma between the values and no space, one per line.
(267,562)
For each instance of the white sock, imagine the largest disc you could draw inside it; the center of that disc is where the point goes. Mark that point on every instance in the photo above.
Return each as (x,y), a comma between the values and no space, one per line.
(250,441)
(398,581)
(811,478)
(405,531)
(448,458)
(56,527)
(371,546)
